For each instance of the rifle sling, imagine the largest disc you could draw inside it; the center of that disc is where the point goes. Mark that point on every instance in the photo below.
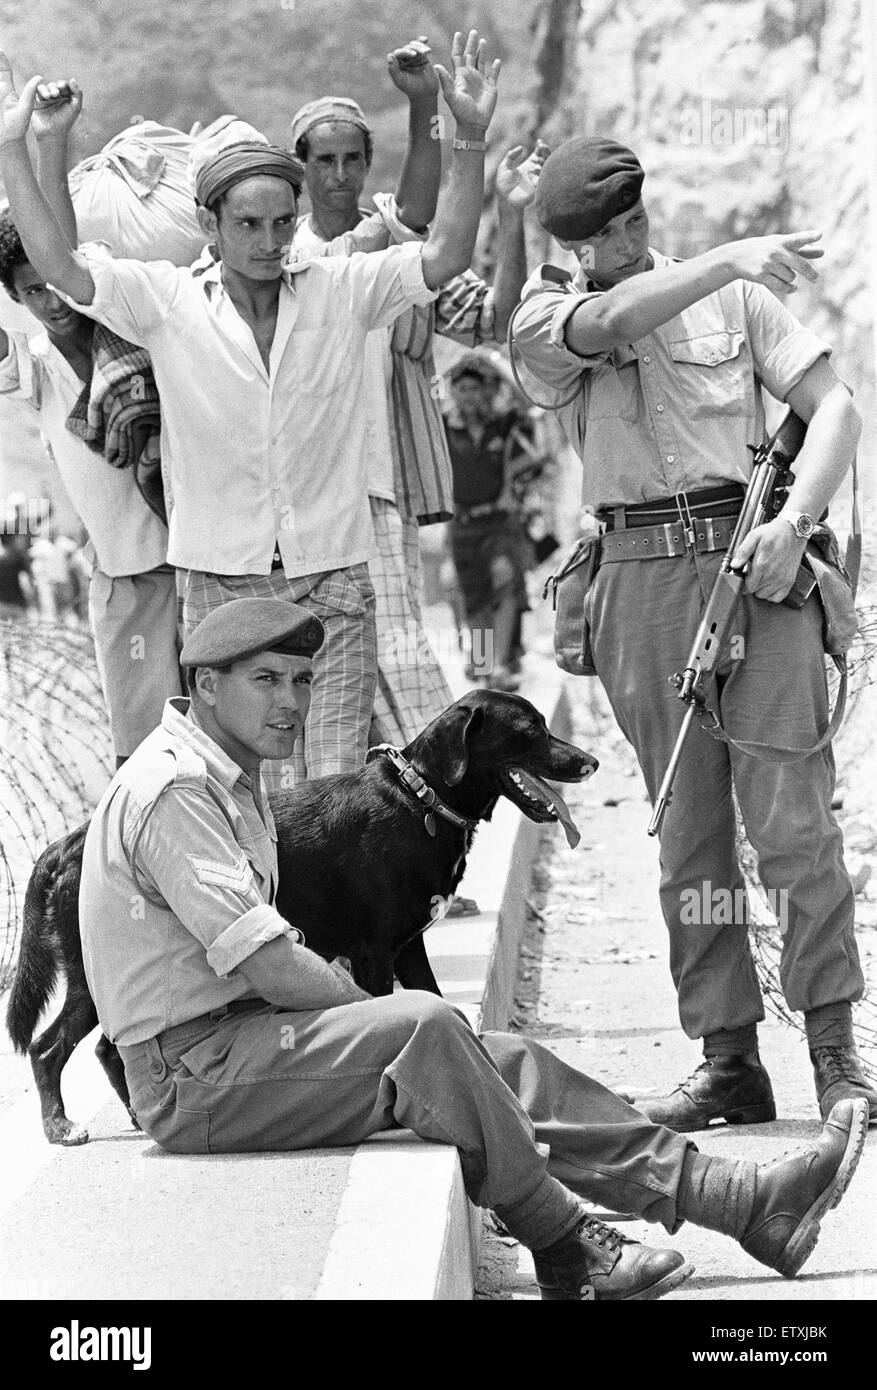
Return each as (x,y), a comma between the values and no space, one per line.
(763,752)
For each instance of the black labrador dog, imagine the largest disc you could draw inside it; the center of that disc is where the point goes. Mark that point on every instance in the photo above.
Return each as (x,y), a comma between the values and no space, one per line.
(366,861)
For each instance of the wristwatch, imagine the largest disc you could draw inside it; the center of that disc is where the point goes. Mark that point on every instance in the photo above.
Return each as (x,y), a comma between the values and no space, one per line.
(801,523)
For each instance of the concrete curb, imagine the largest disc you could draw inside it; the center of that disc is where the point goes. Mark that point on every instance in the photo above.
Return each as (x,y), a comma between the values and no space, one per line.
(391,1222)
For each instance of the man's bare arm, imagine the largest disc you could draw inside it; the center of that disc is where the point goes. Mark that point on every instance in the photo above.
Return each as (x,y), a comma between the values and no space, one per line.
(641,304)
(45,242)
(56,111)
(471,96)
(289,975)
(421,172)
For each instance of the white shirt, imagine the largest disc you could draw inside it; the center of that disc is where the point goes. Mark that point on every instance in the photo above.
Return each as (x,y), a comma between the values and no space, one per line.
(127,536)
(377,370)
(257,457)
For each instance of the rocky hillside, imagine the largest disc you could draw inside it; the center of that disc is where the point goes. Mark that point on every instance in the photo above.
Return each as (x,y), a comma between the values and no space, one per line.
(748,116)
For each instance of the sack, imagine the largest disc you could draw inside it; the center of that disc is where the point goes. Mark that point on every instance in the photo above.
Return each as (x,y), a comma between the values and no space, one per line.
(839,618)
(569,585)
(136,195)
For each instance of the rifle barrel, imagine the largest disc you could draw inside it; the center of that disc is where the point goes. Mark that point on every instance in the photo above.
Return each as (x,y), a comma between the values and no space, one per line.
(665,792)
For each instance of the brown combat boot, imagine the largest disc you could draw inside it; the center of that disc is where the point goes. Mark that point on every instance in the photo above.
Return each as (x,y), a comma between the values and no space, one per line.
(596,1263)
(838,1074)
(794,1193)
(736,1089)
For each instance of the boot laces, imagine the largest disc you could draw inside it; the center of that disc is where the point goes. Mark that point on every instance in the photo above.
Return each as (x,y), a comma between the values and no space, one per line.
(705,1065)
(836,1064)
(605,1236)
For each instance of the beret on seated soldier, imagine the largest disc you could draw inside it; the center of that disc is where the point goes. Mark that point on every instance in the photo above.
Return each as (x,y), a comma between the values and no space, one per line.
(248,625)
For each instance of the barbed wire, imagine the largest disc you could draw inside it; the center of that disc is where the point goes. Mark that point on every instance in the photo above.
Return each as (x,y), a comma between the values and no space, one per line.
(57,753)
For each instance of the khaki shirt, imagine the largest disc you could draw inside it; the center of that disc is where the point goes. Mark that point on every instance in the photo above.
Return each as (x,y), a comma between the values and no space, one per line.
(675,410)
(179,873)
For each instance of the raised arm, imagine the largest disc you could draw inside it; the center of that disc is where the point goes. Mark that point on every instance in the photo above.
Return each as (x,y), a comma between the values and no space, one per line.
(45,242)
(57,109)
(641,304)
(471,97)
(516,180)
(421,172)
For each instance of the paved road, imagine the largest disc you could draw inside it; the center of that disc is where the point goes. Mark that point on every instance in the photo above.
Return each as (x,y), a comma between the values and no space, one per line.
(594,987)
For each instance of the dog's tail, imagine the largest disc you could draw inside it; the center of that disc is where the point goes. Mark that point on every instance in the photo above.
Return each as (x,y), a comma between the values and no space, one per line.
(38,958)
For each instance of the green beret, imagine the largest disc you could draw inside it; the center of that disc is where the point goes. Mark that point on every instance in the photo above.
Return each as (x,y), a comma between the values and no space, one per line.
(249,625)
(584,184)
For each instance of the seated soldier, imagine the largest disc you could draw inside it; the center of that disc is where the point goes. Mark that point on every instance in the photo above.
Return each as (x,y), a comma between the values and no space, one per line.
(203,985)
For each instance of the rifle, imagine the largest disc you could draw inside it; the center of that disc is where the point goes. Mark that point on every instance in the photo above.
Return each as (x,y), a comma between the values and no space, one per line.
(765,495)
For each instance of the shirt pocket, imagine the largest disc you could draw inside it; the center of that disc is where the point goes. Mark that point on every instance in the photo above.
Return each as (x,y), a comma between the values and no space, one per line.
(713,374)
(613,392)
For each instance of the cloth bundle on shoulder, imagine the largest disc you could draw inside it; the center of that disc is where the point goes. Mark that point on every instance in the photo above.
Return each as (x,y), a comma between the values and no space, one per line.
(136,196)
(118,413)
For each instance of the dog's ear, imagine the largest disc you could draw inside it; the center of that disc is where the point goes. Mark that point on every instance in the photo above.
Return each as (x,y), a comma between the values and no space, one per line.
(454,757)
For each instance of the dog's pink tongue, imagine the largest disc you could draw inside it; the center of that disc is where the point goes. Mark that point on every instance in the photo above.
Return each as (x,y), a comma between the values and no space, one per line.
(573,834)
(547,791)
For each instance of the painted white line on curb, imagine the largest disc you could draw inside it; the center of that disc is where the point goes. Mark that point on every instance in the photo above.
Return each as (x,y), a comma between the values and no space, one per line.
(393,1240)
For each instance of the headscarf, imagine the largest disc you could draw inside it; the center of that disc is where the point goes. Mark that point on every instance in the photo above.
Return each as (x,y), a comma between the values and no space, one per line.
(327,109)
(245,160)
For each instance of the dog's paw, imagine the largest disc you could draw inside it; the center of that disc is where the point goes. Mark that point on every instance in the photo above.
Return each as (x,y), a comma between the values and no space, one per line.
(68,1134)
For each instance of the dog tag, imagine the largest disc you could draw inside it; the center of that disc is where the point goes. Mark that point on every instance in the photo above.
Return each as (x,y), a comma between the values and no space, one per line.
(429,822)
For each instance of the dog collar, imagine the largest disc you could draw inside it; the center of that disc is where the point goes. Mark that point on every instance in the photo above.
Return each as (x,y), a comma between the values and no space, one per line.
(413,782)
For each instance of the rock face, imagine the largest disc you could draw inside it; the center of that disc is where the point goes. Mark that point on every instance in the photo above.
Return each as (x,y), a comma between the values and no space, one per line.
(749,118)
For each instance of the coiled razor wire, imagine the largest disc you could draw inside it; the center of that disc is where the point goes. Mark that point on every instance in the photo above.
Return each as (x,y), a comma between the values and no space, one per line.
(56,753)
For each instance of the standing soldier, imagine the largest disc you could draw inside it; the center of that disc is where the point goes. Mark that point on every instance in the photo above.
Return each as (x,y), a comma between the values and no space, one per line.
(667,357)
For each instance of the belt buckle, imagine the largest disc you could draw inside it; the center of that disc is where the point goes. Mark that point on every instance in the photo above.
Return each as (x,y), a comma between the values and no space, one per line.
(686,519)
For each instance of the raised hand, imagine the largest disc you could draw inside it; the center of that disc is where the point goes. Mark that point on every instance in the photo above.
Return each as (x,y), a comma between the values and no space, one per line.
(56,110)
(15,110)
(518,174)
(775,261)
(471,92)
(411,70)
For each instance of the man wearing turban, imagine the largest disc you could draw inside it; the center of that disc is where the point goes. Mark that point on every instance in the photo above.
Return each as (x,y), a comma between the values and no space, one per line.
(410,476)
(259,368)
(654,366)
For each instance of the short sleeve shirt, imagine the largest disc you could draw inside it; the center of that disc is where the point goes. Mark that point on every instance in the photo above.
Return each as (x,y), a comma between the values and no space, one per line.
(179,874)
(675,410)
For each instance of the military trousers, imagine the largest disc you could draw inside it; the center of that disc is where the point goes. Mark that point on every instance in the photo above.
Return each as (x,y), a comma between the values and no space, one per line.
(770,691)
(533,1133)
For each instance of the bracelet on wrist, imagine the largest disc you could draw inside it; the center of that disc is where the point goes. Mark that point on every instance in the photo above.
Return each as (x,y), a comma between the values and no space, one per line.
(479,145)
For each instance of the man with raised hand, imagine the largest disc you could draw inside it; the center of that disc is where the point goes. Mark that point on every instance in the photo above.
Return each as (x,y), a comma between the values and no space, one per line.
(259,369)
(132,599)
(409,468)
